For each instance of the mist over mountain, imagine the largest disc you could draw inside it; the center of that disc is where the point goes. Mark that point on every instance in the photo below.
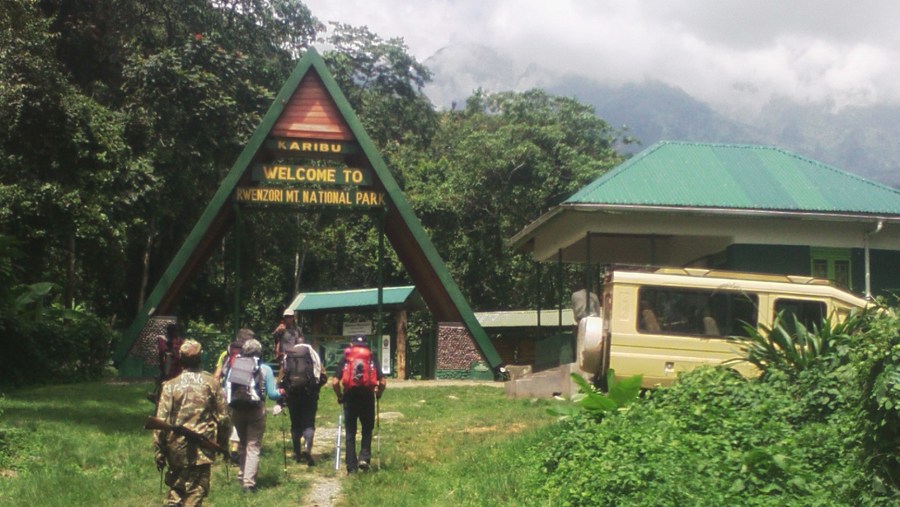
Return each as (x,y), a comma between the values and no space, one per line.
(859,140)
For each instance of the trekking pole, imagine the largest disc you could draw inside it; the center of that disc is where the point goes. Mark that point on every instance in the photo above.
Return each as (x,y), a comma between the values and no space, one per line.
(337,444)
(377,433)
(284,449)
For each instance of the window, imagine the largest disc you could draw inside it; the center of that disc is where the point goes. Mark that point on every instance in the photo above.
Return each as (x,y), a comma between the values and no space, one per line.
(831,264)
(808,313)
(698,312)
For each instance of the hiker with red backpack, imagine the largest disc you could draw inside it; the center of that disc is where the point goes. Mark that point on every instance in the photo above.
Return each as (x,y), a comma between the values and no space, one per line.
(358,382)
(302,378)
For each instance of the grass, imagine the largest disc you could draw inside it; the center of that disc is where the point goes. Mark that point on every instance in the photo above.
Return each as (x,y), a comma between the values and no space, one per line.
(84,444)
(452,447)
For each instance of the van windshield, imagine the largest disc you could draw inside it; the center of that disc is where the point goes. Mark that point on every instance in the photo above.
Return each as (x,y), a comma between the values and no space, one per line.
(698,312)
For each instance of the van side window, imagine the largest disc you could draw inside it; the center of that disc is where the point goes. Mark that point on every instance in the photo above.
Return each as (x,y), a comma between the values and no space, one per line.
(809,313)
(696,312)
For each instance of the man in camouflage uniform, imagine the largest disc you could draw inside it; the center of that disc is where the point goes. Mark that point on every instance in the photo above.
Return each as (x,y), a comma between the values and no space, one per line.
(196,401)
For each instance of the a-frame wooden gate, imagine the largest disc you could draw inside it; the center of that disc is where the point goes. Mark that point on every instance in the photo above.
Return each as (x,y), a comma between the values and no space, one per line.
(311,119)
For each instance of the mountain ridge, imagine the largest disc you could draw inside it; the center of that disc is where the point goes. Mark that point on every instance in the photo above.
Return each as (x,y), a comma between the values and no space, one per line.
(854,139)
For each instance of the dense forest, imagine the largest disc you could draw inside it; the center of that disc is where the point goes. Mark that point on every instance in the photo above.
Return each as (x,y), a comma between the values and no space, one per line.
(119,119)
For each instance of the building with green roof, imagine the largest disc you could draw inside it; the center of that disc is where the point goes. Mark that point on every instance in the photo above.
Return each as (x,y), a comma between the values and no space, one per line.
(728,206)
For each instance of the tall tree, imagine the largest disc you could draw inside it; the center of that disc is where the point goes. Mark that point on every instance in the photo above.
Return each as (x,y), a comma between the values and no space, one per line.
(121,117)
(492,168)
(68,178)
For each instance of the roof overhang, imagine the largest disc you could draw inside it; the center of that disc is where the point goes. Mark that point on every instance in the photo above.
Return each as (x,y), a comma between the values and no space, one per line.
(676,235)
(358,300)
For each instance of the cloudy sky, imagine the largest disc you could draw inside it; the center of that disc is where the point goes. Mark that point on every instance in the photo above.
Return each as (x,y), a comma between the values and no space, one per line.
(729,53)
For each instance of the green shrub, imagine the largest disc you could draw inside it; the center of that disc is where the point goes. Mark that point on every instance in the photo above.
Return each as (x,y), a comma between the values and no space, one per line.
(880,366)
(62,346)
(794,348)
(714,438)
(620,394)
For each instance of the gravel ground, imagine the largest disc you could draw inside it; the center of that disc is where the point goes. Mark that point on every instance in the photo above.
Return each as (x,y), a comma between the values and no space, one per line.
(325,490)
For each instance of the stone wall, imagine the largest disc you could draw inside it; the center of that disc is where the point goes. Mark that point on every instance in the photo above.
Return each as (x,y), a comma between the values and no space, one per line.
(456,351)
(142,360)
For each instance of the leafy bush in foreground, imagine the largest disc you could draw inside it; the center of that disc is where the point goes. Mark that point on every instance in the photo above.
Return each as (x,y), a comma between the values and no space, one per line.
(823,435)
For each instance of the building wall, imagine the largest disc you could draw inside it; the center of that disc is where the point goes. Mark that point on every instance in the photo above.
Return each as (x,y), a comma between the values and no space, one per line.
(795,260)
(885,269)
(776,259)
(456,352)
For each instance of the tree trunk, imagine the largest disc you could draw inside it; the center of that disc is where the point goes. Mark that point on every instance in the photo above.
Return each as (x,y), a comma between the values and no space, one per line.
(145,263)
(69,297)
(401,318)
(300,257)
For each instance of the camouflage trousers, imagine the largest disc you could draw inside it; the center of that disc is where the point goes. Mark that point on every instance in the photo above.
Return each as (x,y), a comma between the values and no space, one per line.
(188,486)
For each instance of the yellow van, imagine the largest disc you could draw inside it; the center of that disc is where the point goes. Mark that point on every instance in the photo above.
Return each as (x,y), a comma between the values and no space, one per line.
(667,320)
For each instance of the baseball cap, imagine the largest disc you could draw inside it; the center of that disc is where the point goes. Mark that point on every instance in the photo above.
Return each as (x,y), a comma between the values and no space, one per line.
(289,313)
(359,340)
(190,348)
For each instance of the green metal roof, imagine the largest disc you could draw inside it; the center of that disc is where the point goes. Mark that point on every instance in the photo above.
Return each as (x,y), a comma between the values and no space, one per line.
(356,299)
(683,174)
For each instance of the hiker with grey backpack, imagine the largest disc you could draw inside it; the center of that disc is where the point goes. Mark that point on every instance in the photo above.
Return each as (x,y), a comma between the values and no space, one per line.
(247,384)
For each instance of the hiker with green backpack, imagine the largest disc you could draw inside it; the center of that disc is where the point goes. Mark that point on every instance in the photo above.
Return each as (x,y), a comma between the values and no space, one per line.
(301,379)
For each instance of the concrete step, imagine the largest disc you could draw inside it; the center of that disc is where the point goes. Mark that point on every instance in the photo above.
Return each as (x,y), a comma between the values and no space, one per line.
(546,383)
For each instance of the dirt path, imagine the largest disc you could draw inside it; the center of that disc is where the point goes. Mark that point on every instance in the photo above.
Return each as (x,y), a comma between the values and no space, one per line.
(324,489)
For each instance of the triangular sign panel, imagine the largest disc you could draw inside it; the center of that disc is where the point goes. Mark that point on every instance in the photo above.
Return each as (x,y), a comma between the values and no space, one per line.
(310,118)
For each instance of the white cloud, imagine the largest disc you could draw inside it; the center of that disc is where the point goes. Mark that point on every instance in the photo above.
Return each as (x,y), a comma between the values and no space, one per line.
(727,52)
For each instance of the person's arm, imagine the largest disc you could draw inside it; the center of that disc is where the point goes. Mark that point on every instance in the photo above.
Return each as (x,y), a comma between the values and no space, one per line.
(223,420)
(382,382)
(219,365)
(336,381)
(162,412)
(277,335)
(317,362)
(336,385)
(161,348)
(272,390)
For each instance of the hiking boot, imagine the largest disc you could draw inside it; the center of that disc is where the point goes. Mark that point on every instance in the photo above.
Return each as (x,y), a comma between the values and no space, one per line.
(364,465)
(311,462)
(303,457)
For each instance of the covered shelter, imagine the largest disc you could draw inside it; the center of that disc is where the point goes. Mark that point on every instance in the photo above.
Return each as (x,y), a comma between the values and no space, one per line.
(728,206)
(330,337)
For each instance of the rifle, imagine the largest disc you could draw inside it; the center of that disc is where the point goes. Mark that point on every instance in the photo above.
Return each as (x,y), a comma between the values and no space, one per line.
(155,423)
